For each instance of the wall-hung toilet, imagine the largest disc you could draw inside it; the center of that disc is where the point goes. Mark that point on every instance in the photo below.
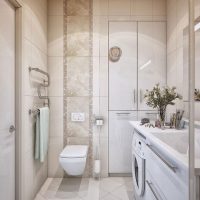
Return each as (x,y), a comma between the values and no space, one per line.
(73,159)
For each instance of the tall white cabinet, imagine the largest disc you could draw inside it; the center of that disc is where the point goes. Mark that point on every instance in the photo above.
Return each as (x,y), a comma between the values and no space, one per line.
(142,64)
(123,74)
(151,58)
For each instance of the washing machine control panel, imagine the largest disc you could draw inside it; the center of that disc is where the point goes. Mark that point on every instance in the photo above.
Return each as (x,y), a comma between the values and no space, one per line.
(138,146)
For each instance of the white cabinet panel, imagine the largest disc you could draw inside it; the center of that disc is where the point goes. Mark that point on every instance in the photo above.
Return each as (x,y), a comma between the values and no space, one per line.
(123,73)
(151,58)
(120,139)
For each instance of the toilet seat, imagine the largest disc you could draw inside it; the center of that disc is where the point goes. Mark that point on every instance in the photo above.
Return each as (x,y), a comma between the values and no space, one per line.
(73,159)
(74,151)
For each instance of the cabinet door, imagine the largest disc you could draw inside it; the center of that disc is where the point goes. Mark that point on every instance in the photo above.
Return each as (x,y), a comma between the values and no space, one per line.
(123,73)
(120,141)
(152,191)
(151,58)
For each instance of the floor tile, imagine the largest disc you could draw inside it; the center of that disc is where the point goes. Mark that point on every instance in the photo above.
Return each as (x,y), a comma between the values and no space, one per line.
(111,188)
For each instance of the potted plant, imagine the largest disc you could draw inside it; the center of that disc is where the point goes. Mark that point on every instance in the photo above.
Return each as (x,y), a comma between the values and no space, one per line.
(160,98)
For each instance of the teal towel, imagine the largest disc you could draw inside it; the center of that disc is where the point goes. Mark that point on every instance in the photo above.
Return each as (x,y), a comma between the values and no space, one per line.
(37,137)
(42,134)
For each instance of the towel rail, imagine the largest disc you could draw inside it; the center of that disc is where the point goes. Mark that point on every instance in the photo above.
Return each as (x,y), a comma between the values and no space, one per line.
(46,84)
(33,112)
(42,72)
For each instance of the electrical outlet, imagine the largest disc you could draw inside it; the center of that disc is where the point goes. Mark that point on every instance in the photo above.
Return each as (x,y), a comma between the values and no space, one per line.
(77,117)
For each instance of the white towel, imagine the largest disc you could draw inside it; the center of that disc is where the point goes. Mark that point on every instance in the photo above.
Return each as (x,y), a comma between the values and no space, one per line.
(42,134)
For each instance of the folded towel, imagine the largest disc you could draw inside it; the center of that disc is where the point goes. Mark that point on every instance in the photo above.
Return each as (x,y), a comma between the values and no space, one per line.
(42,134)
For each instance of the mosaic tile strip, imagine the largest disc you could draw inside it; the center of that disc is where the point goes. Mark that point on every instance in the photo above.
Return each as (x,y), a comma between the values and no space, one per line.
(78,84)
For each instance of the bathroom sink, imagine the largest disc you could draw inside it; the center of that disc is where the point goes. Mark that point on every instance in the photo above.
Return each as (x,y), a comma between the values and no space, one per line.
(176,140)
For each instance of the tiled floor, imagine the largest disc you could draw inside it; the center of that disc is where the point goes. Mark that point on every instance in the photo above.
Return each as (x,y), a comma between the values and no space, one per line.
(112,188)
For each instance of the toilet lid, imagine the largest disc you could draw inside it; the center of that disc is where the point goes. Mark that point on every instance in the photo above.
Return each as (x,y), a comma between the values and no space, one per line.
(74,151)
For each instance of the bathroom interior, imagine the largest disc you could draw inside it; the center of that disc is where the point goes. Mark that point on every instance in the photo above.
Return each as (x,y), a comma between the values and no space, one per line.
(78,120)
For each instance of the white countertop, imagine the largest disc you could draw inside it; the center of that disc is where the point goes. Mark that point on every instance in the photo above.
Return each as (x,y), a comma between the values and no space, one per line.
(181,159)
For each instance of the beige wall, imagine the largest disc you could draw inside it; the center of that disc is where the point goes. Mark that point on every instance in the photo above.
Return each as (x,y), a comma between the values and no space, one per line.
(177,21)
(55,67)
(34,41)
(103,12)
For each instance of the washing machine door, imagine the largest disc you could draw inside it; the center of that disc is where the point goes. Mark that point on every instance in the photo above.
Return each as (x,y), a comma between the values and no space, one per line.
(138,171)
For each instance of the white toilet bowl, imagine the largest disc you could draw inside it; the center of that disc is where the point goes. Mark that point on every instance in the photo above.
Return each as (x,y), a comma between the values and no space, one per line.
(73,159)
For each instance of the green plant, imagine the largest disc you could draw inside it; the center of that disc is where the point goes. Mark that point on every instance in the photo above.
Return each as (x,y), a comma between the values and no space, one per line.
(197,95)
(160,98)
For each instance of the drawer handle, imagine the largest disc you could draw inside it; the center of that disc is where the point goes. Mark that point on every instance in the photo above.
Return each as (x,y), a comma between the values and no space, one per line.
(169,165)
(123,113)
(151,113)
(153,191)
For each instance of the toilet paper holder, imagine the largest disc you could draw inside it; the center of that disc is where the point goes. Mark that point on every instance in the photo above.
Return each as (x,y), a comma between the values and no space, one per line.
(99,121)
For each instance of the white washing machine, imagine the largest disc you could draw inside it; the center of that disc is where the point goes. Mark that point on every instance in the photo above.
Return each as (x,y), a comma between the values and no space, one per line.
(138,166)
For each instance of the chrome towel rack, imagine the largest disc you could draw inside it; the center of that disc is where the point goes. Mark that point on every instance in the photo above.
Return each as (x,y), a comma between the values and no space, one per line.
(42,72)
(45,84)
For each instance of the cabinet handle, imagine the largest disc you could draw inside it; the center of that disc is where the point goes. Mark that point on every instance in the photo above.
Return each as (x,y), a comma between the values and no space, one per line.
(141,96)
(123,113)
(153,191)
(151,113)
(169,165)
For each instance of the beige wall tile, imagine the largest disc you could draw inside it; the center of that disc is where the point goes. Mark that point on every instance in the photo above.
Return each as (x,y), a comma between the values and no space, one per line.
(103,76)
(55,148)
(55,69)
(55,7)
(77,141)
(78,7)
(39,30)
(96,81)
(100,7)
(104,156)
(28,23)
(28,172)
(159,7)
(118,7)
(78,76)
(56,117)
(78,36)
(142,7)
(55,36)
(77,104)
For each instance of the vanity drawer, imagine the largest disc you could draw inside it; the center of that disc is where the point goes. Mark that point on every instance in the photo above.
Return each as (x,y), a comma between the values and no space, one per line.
(167,178)
(152,191)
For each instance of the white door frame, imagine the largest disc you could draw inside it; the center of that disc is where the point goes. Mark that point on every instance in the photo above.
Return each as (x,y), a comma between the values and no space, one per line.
(18,94)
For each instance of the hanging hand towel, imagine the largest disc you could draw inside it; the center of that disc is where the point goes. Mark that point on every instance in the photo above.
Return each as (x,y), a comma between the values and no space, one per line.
(44,132)
(37,137)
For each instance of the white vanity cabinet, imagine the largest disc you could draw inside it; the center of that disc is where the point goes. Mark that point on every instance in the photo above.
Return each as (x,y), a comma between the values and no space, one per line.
(152,191)
(170,183)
